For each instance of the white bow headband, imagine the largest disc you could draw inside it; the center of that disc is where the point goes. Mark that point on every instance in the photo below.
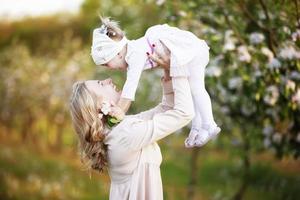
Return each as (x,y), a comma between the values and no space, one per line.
(103,47)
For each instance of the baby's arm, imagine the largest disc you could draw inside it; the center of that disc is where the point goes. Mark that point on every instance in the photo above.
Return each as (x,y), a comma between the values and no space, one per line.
(135,67)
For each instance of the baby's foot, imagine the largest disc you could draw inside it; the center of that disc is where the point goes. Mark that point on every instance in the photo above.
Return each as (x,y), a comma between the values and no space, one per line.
(197,137)
(202,137)
(213,130)
(190,140)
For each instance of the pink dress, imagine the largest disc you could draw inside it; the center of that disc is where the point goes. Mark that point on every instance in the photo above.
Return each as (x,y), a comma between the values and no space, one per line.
(134,156)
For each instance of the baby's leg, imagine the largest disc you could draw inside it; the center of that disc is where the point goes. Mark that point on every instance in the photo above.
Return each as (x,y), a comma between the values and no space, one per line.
(197,136)
(201,97)
(203,106)
(202,102)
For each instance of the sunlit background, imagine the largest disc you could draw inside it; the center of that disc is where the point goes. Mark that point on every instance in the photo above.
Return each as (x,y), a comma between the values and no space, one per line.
(253,79)
(18,9)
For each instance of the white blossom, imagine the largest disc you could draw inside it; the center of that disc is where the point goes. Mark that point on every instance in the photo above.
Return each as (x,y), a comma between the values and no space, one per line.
(298,137)
(160,2)
(296,96)
(267,52)
(267,142)
(296,35)
(256,38)
(277,137)
(295,75)
(225,109)
(268,130)
(182,13)
(243,54)
(229,46)
(247,110)
(257,73)
(290,85)
(105,107)
(229,41)
(213,71)
(289,53)
(233,99)
(272,95)
(274,63)
(235,82)
(261,14)
(286,29)
(210,30)
(228,34)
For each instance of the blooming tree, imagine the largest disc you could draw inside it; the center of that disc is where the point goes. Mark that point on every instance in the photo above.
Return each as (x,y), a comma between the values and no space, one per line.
(254,71)
(255,62)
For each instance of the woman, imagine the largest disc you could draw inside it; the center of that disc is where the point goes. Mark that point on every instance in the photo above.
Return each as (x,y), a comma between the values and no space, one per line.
(129,150)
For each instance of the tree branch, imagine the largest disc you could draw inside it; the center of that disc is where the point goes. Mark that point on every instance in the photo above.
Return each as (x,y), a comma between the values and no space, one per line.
(264,7)
(250,16)
(269,29)
(236,32)
(297,13)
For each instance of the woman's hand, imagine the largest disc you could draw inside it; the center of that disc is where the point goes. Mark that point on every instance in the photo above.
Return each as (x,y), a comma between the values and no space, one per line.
(116,111)
(161,56)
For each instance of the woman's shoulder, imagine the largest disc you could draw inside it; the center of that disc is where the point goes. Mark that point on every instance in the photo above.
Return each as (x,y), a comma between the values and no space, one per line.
(124,125)
(119,132)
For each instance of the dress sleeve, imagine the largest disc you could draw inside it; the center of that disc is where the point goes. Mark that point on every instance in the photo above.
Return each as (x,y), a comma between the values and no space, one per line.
(141,133)
(136,64)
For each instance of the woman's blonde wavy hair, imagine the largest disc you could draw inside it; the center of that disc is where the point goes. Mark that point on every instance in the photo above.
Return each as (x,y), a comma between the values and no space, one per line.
(89,127)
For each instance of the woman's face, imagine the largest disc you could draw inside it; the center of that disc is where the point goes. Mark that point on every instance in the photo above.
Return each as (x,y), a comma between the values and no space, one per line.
(104,89)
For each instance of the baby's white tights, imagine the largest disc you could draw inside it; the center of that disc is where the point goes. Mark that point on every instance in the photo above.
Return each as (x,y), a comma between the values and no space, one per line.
(204,126)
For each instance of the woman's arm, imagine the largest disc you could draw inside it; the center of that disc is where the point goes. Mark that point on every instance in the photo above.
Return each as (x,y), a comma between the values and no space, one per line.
(145,132)
(162,58)
(167,101)
(124,104)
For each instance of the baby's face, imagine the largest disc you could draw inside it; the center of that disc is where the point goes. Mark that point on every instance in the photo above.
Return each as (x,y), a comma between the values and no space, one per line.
(118,62)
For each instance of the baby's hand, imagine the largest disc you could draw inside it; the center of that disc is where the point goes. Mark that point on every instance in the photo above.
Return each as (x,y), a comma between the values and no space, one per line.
(116,112)
(161,55)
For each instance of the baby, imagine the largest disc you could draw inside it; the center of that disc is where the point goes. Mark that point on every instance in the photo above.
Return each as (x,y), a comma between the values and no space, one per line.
(189,57)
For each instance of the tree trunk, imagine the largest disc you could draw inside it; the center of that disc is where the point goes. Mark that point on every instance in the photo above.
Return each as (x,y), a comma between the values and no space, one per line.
(246,170)
(193,174)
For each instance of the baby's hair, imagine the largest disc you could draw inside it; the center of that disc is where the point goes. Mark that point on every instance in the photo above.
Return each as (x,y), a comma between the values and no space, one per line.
(113,29)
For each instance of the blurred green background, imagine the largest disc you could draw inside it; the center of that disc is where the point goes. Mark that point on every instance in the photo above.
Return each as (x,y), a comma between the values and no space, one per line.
(253,79)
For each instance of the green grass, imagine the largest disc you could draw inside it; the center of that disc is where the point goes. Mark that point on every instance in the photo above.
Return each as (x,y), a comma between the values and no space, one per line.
(29,174)
(24,173)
